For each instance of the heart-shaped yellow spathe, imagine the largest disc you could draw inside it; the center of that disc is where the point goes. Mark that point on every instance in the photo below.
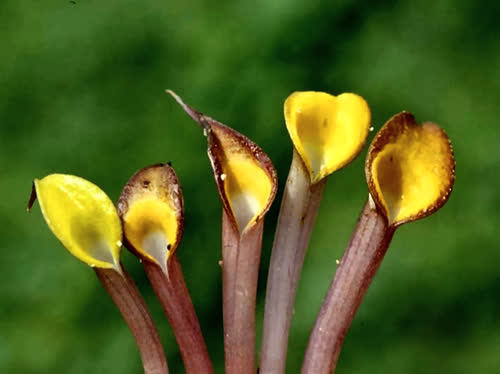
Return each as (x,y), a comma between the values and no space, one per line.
(327,131)
(410,169)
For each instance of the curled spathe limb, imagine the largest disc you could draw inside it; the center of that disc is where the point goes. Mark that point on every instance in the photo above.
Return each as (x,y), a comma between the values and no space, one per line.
(152,211)
(85,220)
(410,171)
(247,183)
(327,132)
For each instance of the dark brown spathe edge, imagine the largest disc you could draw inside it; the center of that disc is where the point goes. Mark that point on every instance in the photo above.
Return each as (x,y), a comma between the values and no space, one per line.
(215,154)
(389,132)
(137,181)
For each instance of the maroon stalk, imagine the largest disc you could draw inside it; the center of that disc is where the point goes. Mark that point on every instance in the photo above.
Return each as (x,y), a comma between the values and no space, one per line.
(240,271)
(173,295)
(129,301)
(361,260)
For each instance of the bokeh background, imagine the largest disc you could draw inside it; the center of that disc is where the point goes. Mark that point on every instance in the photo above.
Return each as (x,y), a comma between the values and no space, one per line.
(82,92)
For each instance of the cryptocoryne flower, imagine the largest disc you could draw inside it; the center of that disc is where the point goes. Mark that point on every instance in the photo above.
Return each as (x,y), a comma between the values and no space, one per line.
(327,133)
(410,170)
(85,220)
(152,211)
(246,181)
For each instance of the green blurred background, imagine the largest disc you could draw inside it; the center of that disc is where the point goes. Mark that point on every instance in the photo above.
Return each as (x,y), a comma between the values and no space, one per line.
(82,92)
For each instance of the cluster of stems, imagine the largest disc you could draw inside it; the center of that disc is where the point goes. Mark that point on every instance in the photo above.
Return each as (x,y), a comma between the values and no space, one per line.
(409,171)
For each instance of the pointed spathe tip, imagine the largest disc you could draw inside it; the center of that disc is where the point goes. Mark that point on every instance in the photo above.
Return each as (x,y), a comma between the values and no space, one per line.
(198,117)
(32,197)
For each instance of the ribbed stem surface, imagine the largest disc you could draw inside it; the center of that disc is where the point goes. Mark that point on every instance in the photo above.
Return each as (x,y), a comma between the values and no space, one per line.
(298,212)
(174,297)
(240,271)
(129,301)
(359,264)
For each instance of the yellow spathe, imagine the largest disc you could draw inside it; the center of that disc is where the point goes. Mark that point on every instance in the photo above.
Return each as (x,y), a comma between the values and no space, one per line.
(152,226)
(248,188)
(152,211)
(245,176)
(412,169)
(246,183)
(82,217)
(327,131)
